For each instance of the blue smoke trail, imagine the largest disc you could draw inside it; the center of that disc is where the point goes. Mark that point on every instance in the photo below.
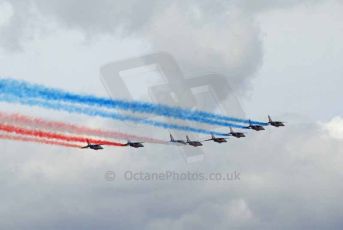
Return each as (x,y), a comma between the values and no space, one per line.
(25,89)
(103,114)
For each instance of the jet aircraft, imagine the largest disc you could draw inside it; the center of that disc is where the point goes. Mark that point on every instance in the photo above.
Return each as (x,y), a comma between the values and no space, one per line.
(235,134)
(275,123)
(135,144)
(217,139)
(255,127)
(172,140)
(92,146)
(193,143)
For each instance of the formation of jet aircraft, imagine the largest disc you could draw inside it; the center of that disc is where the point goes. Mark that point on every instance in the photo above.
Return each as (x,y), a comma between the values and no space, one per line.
(196,143)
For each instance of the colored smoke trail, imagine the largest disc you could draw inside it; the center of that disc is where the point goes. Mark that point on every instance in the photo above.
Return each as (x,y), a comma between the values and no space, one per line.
(55,136)
(114,116)
(25,89)
(36,140)
(61,126)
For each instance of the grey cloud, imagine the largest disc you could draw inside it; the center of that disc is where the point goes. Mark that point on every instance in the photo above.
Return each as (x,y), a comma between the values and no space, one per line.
(204,36)
(221,41)
(16,28)
(265,5)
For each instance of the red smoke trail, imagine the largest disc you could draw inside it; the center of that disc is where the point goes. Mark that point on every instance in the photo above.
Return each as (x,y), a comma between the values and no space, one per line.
(49,135)
(28,139)
(41,123)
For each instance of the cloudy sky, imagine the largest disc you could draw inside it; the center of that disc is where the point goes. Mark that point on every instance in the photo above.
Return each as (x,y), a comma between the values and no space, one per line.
(279,57)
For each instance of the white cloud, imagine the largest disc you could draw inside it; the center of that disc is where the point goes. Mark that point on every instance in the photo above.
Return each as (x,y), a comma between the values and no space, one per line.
(335,127)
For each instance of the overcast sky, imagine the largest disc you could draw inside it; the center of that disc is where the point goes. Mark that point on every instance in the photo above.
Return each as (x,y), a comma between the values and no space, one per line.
(282,58)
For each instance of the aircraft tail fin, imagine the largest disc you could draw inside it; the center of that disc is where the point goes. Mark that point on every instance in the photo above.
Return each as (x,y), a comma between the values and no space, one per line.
(171,138)
(187,137)
(88,142)
(231,130)
(212,136)
(270,119)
